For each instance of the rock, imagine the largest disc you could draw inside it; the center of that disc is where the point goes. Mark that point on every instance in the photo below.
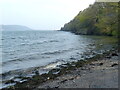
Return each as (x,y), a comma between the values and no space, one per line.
(101,64)
(114,54)
(63,81)
(56,87)
(37,72)
(71,78)
(114,64)
(72,58)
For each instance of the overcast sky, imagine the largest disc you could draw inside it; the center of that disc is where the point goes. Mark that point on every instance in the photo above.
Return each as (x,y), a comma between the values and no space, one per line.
(41,14)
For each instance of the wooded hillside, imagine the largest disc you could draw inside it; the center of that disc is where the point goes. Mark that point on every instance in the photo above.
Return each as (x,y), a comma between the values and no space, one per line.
(98,19)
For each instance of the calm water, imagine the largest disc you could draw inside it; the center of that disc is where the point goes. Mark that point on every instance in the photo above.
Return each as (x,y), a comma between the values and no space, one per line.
(25,49)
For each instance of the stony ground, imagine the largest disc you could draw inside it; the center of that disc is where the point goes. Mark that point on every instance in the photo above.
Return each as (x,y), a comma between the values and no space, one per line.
(98,74)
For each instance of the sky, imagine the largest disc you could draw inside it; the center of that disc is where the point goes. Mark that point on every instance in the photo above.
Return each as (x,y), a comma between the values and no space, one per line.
(40,14)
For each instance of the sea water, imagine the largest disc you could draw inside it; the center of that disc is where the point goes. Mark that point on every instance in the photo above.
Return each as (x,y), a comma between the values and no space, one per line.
(22,50)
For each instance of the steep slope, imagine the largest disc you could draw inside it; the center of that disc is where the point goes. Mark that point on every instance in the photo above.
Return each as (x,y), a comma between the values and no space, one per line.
(98,19)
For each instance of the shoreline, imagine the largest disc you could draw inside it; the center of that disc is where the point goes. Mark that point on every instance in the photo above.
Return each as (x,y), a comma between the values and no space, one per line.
(98,74)
(65,69)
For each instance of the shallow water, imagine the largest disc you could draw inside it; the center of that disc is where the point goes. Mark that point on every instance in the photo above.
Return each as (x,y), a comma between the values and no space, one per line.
(22,50)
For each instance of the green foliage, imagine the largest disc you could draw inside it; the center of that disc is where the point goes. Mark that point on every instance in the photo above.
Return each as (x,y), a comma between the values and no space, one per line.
(98,19)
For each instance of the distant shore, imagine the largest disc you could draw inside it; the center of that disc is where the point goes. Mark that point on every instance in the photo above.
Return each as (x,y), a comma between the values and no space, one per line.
(100,71)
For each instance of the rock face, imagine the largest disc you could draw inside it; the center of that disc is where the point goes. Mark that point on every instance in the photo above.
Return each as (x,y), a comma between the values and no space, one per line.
(98,19)
(14,28)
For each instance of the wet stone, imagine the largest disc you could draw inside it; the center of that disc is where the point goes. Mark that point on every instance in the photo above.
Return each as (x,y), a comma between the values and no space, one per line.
(115,64)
